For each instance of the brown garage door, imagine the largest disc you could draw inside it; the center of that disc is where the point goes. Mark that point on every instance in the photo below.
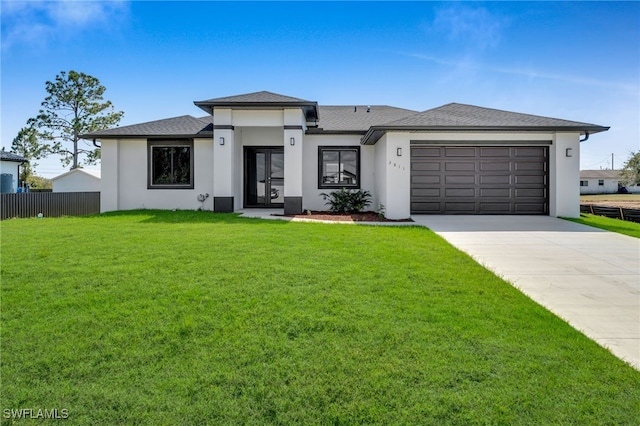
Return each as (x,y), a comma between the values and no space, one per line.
(479,180)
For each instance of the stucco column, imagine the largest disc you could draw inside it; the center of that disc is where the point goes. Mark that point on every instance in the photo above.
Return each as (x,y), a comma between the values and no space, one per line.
(223,161)
(293,146)
(395,160)
(564,175)
(110,180)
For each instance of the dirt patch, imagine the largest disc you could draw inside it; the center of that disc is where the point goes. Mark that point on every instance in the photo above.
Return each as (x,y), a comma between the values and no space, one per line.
(626,201)
(344,217)
(614,203)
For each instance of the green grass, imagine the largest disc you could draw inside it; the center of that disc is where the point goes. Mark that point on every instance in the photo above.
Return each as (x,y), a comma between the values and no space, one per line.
(155,317)
(614,225)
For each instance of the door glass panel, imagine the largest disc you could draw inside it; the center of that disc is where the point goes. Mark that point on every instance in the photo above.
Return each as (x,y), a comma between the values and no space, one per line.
(261,182)
(277,178)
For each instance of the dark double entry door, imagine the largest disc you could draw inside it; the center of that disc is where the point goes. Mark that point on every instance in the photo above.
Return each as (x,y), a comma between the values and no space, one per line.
(263,177)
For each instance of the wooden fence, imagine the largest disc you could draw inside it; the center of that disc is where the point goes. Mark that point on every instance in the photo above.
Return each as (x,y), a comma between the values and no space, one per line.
(632,215)
(50,204)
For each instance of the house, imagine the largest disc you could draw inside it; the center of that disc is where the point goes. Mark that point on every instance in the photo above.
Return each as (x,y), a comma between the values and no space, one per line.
(603,182)
(10,171)
(273,151)
(77,180)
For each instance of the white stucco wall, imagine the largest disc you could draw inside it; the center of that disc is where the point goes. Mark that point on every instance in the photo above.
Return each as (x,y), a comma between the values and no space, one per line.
(393,174)
(311,198)
(124,178)
(77,180)
(10,167)
(610,186)
(564,175)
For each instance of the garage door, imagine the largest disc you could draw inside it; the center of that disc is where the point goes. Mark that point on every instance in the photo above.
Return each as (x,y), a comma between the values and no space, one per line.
(479,180)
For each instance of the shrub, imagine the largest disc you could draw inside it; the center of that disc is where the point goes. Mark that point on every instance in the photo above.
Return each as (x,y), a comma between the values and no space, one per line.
(347,201)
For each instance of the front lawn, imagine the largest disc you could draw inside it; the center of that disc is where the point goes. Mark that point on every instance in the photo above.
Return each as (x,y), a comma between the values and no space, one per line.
(614,225)
(159,317)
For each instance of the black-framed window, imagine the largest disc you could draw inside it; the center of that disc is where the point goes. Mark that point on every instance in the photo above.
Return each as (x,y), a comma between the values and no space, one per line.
(601,182)
(339,167)
(584,183)
(170,164)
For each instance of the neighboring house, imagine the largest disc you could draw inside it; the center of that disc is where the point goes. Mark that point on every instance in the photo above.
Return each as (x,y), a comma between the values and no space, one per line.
(77,180)
(603,182)
(273,151)
(10,171)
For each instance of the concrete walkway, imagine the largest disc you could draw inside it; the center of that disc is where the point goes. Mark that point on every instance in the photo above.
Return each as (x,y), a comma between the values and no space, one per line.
(587,276)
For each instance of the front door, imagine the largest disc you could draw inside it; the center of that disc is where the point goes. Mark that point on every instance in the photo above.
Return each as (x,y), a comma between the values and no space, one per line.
(264,177)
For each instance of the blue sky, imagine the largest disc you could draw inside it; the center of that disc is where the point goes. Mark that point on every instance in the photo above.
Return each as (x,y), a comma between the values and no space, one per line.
(573,60)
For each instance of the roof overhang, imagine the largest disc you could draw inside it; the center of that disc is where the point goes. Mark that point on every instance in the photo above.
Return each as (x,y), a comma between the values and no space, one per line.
(203,135)
(376,132)
(310,109)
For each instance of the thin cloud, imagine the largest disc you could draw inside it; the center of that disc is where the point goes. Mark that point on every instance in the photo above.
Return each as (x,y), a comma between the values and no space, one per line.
(528,73)
(471,25)
(40,22)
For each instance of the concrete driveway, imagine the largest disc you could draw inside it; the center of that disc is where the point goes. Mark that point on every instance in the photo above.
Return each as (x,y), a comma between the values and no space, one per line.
(587,276)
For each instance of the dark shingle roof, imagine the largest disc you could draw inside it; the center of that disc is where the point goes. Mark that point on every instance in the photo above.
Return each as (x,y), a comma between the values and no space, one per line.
(338,118)
(183,126)
(455,116)
(10,156)
(599,174)
(353,119)
(255,97)
(461,115)
(261,100)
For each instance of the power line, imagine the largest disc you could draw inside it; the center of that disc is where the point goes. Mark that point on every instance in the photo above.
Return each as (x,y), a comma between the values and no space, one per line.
(606,160)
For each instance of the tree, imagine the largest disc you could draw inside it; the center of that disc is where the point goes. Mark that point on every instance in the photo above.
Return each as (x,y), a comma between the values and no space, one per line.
(630,174)
(26,145)
(75,106)
(38,182)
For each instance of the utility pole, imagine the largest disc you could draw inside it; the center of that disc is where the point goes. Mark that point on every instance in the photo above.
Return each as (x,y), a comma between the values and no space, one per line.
(612,168)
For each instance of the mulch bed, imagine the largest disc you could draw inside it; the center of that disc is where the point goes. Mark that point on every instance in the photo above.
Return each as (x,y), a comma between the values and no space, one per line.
(344,217)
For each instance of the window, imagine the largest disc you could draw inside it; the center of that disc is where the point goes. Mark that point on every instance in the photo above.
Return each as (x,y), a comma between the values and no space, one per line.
(338,167)
(601,182)
(170,164)
(584,183)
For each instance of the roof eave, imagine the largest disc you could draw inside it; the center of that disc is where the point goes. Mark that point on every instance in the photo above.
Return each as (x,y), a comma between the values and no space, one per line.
(310,108)
(375,132)
(320,131)
(148,136)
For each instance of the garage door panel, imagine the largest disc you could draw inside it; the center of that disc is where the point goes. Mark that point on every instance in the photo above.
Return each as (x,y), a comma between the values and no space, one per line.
(425,192)
(460,192)
(460,152)
(451,166)
(479,180)
(495,152)
(530,192)
(530,179)
(460,207)
(495,179)
(487,166)
(460,179)
(529,165)
(495,192)
(430,207)
(496,208)
(425,179)
(425,152)
(426,166)
(533,151)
